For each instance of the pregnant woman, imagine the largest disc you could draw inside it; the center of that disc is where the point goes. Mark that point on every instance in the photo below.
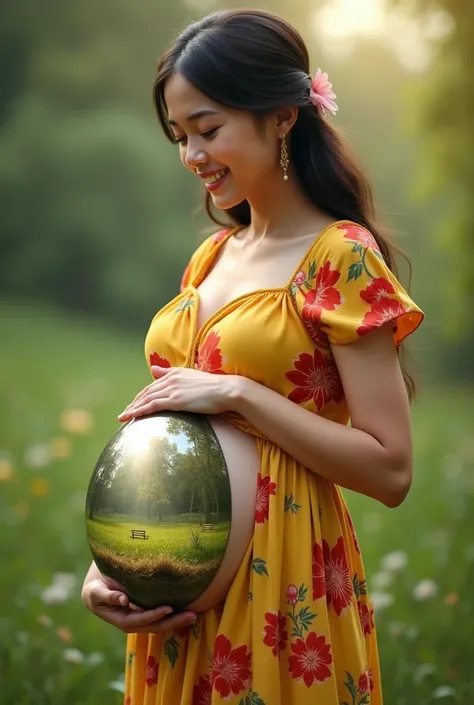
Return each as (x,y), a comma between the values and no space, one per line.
(288,324)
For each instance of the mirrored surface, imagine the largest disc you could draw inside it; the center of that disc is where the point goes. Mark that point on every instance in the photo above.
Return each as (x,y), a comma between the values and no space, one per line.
(158,509)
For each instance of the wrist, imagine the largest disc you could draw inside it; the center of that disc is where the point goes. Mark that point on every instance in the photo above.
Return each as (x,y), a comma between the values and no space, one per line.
(239,392)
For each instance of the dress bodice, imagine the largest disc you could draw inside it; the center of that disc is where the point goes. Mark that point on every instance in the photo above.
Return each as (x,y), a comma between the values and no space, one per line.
(282,337)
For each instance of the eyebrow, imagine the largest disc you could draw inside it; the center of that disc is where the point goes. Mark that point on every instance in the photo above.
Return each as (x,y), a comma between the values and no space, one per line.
(194,116)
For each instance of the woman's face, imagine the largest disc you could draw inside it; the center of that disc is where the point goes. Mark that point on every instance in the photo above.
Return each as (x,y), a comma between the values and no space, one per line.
(235,156)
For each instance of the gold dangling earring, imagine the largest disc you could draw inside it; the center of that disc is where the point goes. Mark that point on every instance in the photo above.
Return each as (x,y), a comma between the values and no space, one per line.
(284,161)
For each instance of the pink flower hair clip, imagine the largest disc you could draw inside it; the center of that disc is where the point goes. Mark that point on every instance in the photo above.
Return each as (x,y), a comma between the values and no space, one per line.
(321,94)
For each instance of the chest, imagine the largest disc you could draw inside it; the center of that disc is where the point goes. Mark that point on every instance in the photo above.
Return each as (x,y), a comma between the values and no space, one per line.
(239,271)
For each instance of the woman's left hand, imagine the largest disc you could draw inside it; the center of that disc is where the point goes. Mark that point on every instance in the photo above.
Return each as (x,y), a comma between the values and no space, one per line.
(183,389)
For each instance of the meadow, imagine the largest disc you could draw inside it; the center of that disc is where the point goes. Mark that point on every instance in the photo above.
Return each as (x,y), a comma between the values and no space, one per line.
(175,559)
(62,384)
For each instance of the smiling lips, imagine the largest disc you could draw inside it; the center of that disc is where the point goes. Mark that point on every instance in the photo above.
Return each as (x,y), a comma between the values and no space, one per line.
(212,179)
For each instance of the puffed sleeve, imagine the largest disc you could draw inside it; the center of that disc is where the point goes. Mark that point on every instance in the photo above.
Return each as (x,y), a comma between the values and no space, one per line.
(200,257)
(354,291)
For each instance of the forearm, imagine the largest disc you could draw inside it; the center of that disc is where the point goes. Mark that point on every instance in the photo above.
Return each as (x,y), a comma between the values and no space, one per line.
(341,454)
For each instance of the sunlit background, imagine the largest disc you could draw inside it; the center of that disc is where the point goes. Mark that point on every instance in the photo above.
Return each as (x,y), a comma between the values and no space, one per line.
(98,220)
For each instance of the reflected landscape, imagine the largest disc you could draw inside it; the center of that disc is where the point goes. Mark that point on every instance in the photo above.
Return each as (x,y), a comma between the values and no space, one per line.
(158,509)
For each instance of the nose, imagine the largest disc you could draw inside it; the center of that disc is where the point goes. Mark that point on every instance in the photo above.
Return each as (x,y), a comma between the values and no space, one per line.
(194,155)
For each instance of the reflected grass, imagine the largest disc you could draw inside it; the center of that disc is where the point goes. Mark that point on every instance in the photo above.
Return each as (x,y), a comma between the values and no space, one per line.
(173,566)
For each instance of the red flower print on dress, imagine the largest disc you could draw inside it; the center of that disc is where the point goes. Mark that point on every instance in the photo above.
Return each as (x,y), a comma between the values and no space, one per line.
(202,692)
(315,377)
(378,289)
(265,487)
(381,312)
(366,681)
(155,359)
(209,355)
(339,588)
(128,700)
(324,296)
(151,676)
(218,237)
(230,671)
(317,335)
(355,233)
(276,635)
(292,594)
(300,278)
(366,617)
(311,659)
(319,575)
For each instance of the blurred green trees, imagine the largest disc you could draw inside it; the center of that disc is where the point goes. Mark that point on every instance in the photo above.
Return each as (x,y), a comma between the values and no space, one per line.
(444,104)
(98,215)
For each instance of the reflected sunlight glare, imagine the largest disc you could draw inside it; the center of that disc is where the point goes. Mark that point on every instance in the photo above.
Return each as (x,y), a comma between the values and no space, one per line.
(344,18)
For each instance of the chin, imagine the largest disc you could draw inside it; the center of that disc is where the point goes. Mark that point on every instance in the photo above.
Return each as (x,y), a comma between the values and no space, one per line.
(223,203)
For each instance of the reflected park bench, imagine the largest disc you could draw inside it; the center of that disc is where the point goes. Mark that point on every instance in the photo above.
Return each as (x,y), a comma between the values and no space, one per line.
(139,534)
(207,527)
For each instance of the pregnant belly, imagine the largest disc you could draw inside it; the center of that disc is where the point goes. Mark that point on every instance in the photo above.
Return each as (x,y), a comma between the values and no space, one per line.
(243,465)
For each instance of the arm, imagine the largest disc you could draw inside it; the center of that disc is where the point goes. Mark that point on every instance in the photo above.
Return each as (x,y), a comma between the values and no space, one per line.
(374,455)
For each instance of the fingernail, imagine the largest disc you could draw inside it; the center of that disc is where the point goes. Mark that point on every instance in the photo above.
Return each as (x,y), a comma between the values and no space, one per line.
(191,620)
(123,600)
(167,610)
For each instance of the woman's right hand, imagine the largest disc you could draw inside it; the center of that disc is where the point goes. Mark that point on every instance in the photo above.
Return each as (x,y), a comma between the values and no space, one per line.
(114,607)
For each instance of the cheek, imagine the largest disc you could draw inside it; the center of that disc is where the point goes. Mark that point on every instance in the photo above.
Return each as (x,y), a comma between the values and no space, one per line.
(248,158)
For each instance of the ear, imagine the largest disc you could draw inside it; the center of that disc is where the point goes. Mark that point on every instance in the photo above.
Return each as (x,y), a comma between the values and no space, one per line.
(285,118)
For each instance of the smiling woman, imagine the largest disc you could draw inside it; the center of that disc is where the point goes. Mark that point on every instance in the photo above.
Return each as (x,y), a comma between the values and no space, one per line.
(287,325)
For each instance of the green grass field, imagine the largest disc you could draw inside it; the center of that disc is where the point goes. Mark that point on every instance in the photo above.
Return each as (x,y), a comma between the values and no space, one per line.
(173,565)
(62,384)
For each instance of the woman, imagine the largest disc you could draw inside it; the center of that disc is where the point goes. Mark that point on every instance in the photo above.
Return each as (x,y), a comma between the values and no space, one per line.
(285,322)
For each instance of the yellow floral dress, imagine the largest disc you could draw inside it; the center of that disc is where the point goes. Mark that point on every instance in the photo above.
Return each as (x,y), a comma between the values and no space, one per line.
(297,627)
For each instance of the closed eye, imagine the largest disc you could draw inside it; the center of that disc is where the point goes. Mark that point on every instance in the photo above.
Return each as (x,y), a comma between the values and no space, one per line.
(209,134)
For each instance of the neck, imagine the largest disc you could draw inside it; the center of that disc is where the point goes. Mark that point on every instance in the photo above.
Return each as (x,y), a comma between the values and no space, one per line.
(279,208)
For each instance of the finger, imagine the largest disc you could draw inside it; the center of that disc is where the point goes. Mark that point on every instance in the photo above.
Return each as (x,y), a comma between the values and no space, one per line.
(101,594)
(135,608)
(140,394)
(133,621)
(178,621)
(159,372)
(145,394)
(156,403)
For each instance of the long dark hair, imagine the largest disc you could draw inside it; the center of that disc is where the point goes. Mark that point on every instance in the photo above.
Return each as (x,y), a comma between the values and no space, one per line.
(256,61)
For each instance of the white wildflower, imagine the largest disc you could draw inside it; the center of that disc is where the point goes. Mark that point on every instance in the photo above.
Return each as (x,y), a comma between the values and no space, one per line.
(95,658)
(381,580)
(60,589)
(37,456)
(381,600)
(425,589)
(54,595)
(73,655)
(118,685)
(444,691)
(423,670)
(394,561)
(67,580)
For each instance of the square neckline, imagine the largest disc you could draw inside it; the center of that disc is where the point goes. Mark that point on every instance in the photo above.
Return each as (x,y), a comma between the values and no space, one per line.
(197,331)
(285,287)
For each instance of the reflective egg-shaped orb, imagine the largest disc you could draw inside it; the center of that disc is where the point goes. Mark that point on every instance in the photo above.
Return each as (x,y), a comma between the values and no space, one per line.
(158,509)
